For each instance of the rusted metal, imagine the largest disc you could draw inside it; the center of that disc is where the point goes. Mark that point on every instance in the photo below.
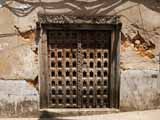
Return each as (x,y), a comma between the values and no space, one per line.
(78,68)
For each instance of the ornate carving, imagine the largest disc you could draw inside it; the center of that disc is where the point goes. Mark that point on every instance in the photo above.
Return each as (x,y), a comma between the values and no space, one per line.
(62,19)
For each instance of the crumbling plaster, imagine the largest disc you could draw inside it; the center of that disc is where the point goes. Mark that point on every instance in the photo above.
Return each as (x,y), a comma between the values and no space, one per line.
(18,99)
(140,90)
(134,17)
(18,59)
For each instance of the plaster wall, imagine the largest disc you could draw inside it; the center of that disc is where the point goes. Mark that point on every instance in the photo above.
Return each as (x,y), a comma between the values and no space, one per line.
(139,67)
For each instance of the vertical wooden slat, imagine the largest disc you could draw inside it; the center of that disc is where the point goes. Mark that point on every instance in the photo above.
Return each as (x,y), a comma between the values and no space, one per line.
(43,55)
(102,69)
(111,66)
(117,65)
(95,76)
(114,68)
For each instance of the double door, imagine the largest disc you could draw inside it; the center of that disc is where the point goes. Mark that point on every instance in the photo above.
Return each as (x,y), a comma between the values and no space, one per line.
(78,69)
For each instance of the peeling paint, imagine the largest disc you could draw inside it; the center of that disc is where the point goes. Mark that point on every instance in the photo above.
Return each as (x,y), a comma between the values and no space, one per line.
(139,90)
(17,99)
(143,48)
(28,36)
(34,83)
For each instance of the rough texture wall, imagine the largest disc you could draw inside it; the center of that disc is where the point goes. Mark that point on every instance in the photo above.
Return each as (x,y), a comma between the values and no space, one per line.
(139,49)
(140,90)
(140,75)
(18,98)
(17,59)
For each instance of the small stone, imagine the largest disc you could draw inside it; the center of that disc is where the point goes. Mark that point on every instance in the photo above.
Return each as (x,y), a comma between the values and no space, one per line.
(137,42)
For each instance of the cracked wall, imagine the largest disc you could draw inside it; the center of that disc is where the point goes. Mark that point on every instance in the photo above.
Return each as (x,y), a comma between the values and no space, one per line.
(139,65)
(18,99)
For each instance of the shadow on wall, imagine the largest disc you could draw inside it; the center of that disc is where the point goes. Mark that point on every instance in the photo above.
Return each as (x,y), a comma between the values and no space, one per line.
(74,7)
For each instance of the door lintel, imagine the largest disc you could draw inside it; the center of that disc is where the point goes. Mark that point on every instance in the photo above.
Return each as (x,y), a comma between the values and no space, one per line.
(52,22)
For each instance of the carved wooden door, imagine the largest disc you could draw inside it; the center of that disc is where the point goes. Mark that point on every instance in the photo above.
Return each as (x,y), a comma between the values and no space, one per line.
(78,68)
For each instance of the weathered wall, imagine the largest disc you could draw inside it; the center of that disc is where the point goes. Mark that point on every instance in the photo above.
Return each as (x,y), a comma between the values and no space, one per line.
(17,59)
(18,98)
(139,65)
(140,90)
(140,86)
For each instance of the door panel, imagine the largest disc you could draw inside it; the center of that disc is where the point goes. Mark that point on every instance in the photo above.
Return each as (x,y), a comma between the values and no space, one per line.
(78,69)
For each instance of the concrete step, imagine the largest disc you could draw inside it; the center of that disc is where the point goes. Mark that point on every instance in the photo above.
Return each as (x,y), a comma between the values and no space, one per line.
(76,112)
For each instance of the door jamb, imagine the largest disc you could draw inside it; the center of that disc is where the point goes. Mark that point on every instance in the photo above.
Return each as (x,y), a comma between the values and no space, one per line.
(114,76)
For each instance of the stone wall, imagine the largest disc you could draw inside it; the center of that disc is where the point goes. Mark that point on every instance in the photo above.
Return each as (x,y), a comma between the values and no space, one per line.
(139,65)
(18,98)
(140,90)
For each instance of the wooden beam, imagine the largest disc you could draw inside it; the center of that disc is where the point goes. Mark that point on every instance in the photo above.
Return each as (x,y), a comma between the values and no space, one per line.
(79,26)
(43,62)
(117,65)
(111,70)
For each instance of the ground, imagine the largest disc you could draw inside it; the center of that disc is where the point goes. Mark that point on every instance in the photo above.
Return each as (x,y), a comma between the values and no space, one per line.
(137,115)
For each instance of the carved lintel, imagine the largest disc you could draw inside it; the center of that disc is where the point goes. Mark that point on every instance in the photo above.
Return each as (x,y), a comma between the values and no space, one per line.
(62,19)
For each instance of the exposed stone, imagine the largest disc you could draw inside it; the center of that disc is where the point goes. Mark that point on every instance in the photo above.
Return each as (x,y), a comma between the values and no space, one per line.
(140,90)
(143,47)
(18,99)
(27,35)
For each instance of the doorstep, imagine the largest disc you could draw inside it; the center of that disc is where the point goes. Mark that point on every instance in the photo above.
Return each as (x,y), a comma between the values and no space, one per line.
(76,111)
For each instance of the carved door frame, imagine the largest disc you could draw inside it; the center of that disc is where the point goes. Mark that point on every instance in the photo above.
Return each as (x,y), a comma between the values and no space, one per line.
(114,73)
